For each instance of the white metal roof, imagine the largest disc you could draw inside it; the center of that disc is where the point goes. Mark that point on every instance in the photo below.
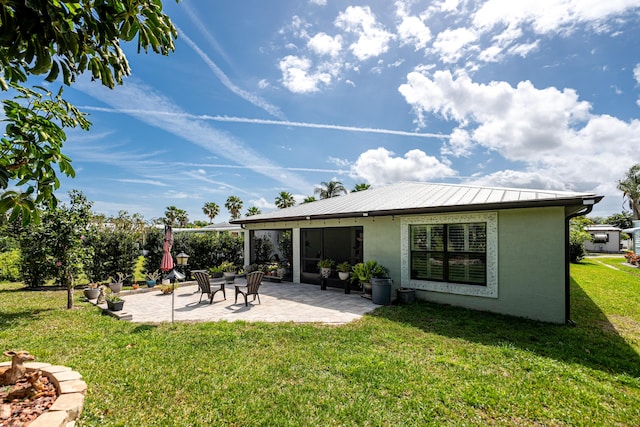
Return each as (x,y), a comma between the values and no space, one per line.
(414,197)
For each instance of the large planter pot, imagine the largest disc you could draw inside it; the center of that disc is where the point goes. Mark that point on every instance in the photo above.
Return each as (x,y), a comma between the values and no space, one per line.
(151,283)
(115,287)
(381,291)
(115,305)
(343,275)
(406,296)
(91,293)
(229,277)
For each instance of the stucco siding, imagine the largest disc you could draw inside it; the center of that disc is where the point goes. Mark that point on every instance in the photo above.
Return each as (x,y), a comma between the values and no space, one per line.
(530,267)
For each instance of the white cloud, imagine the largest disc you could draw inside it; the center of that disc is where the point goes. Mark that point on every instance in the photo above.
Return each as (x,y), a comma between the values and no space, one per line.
(459,144)
(515,121)
(636,73)
(379,167)
(318,2)
(451,44)
(549,131)
(412,30)
(262,203)
(546,16)
(372,38)
(324,44)
(298,77)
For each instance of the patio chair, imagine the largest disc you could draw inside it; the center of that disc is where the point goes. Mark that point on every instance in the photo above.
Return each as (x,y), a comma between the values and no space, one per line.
(254,280)
(205,284)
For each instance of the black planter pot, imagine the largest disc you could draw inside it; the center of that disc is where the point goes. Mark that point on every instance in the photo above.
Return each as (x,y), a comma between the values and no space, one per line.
(115,305)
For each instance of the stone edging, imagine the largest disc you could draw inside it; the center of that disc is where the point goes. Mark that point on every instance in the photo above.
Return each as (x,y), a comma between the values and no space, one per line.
(71,390)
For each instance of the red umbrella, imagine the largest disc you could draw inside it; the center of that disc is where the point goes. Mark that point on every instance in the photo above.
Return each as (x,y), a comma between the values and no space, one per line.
(167,260)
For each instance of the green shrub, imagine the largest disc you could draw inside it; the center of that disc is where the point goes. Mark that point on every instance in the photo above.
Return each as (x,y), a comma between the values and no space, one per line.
(10,265)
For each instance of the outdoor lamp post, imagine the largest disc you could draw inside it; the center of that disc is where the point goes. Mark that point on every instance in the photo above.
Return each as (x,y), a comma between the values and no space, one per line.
(182,262)
(182,259)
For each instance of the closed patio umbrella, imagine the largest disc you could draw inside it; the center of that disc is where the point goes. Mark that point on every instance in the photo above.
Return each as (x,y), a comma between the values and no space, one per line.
(167,259)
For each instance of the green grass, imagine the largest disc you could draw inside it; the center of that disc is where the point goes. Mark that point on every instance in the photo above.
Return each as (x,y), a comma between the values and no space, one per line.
(425,364)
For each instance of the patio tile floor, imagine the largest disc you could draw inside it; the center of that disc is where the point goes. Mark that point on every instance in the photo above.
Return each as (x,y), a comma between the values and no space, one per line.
(281,302)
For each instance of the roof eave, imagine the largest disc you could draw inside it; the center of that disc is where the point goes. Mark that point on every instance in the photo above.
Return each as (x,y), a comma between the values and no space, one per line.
(578,202)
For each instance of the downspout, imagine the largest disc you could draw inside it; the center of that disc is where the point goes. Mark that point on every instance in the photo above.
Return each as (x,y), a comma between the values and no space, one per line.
(567,273)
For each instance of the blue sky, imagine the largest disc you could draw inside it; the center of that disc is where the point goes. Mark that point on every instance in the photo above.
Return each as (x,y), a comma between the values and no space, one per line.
(263,97)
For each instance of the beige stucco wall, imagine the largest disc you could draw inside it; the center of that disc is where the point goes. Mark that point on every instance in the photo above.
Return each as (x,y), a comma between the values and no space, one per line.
(530,265)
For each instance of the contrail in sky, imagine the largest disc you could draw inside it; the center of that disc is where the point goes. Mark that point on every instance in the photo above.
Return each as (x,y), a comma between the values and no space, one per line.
(271,122)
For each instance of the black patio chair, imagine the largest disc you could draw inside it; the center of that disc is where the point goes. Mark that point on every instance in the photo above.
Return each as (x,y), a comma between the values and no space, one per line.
(205,284)
(254,280)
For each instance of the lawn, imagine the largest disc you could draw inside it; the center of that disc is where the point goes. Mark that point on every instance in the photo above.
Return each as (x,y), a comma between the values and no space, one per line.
(425,364)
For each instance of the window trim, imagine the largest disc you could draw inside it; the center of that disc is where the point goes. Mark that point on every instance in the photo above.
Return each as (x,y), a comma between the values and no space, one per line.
(488,291)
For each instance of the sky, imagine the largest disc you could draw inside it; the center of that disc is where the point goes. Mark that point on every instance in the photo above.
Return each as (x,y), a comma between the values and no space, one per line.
(264,97)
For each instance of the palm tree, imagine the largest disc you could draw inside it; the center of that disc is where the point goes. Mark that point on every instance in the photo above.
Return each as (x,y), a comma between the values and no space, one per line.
(326,190)
(630,187)
(234,205)
(170,214)
(285,200)
(361,187)
(211,210)
(182,217)
(309,199)
(253,210)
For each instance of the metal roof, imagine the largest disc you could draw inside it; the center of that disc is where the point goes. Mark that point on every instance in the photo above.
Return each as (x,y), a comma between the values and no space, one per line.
(420,197)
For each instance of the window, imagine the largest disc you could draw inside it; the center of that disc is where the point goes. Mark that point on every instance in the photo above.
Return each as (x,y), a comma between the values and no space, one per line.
(449,253)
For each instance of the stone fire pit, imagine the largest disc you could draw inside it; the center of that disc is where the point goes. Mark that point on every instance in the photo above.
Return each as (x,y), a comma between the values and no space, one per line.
(71,390)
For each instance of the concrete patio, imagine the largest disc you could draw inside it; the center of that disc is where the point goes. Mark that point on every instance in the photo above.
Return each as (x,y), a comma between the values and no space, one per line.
(281,302)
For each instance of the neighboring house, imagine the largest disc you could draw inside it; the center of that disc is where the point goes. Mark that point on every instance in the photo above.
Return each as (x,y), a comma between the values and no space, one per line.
(494,249)
(606,238)
(220,227)
(634,233)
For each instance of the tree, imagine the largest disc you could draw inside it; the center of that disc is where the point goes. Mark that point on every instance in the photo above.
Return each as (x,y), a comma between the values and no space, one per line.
(60,39)
(630,187)
(285,200)
(175,216)
(361,187)
(326,190)
(211,210)
(621,220)
(234,206)
(309,199)
(182,218)
(253,210)
(54,247)
(577,237)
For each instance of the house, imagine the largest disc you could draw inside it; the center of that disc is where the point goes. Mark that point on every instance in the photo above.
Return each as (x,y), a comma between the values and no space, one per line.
(605,238)
(502,250)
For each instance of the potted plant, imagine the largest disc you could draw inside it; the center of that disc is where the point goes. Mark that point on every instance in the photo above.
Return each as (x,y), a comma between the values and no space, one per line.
(168,288)
(116,284)
(215,272)
(325,266)
(363,272)
(152,278)
(228,271)
(114,301)
(344,268)
(92,291)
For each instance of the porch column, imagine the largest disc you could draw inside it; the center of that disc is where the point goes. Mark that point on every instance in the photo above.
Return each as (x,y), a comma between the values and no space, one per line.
(295,262)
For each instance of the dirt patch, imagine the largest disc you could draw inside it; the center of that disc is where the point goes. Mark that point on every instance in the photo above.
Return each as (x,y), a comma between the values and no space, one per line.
(22,411)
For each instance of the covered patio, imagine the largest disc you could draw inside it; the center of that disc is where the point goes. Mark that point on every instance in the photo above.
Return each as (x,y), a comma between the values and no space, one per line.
(281,302)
